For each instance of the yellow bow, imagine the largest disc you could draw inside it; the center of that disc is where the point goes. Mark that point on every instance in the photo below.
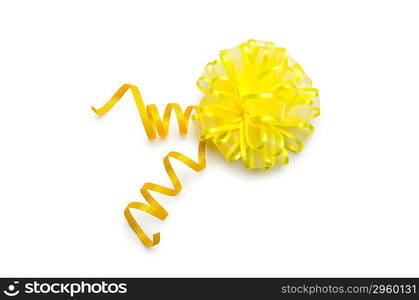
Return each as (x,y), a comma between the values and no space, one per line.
(257,103)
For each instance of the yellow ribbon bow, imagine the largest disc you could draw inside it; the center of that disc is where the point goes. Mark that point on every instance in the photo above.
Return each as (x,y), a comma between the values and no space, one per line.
(257,104)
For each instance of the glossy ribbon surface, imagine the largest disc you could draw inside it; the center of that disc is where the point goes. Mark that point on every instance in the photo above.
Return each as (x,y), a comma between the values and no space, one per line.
(257,104)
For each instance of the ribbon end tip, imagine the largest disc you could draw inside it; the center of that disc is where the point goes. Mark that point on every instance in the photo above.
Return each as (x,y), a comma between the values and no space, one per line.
(156,238)
(96,111)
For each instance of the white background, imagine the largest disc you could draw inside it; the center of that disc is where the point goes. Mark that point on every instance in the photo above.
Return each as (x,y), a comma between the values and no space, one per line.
(346,206)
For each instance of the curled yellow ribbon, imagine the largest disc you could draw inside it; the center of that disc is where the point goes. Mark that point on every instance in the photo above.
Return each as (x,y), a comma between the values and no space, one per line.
(152,122)
(257,104)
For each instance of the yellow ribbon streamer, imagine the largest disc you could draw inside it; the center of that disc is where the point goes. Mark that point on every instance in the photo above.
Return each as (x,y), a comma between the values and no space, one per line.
(257,104)
(152,122)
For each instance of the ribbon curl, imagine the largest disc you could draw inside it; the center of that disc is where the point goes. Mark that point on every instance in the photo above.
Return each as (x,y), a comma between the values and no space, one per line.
(257,104)
(154,125)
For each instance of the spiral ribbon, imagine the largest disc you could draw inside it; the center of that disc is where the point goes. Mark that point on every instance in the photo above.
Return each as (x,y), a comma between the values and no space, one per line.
(257,104)
(152,123)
